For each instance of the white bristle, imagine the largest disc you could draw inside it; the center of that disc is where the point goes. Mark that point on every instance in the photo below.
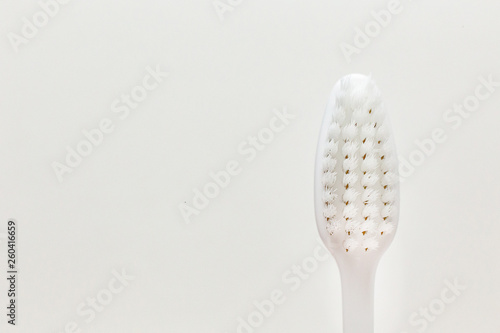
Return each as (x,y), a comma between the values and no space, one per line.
(339,114)
(390,163)
(389,178)
(368,146)
(351,244)
(333,227)
(350,195)
(359,169)
(350,131)
(350,163)
(360,116)
(342,97)
(329,179)
(370,163)
(331,148)
(329,195)
(386,228)
(369,226)
(350,212)
(374,101)
(370,244)
(388,211)
(369,179)
(385,152)
(378,114)
(350,148)
(330,211)
(389,196)
(352,227)
(368,131)
(329,164)
(370,196)
(358,97)
(334,130)
(350,179)
(371,211)
(382,133)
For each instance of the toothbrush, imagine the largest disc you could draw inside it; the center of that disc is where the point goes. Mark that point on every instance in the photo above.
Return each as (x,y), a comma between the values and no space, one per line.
(356,192)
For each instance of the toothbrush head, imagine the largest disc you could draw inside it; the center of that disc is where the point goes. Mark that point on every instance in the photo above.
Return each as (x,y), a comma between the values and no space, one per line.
(356,176)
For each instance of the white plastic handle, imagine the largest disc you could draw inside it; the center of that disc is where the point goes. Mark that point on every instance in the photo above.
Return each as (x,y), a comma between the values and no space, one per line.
(358,286)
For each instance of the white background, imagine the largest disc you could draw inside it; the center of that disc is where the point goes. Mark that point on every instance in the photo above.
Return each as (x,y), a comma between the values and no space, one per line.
(119,208)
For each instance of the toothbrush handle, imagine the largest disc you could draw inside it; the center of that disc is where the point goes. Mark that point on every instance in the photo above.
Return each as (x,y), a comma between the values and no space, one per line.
(358,285)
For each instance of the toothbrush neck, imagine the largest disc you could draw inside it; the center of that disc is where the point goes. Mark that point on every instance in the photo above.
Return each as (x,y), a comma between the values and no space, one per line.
(358,282)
